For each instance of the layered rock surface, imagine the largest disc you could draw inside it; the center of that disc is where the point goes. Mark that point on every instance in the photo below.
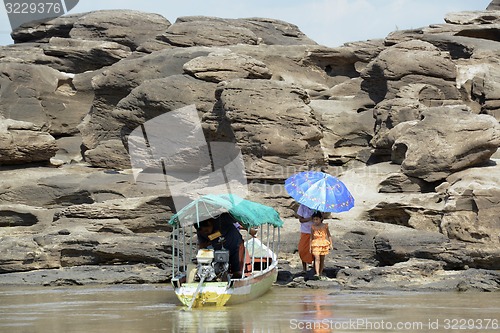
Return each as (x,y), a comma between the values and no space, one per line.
(409,123)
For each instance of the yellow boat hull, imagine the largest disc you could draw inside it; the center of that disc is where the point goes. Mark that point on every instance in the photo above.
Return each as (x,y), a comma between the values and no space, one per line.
(227,293)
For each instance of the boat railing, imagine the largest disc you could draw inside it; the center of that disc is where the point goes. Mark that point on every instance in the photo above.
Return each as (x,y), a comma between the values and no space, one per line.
(262,250)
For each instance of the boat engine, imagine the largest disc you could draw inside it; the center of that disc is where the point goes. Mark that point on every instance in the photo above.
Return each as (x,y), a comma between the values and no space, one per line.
(213,265)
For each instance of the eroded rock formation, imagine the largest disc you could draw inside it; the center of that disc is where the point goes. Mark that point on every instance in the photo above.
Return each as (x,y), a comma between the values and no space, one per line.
(409,122)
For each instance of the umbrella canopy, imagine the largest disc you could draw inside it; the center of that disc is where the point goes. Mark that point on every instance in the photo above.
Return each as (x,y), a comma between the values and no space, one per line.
(319,191)
(249,213)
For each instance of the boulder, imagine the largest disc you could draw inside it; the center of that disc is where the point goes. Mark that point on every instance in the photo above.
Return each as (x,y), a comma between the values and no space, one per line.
(116,82)
(400,183)
(43,96)
(83,275)
(66,54)
(293,64)
(418,275)
(472,18)
(467,140)
(494,5)
(22,142)
(472,197)
(42,31)
(420,212)
(213,31)
(207,33)
(405,63)
(346,132)
(127,27)
(270,136)
(21,254)
(226,66)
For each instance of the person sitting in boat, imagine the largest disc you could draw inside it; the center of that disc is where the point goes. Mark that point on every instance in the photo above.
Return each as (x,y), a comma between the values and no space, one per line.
(221,232)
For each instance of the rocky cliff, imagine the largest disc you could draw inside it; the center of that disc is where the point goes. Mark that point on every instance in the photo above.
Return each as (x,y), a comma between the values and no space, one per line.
(410,123)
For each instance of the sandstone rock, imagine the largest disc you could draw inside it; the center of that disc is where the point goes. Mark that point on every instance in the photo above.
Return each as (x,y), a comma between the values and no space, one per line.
(43,96)
(390,113)
(127,27)
(245,31)
(399,182)
(479,25)
(70,185)
(400,246)
(80,55)
(17,215)
(115,83)
(293,64)
(418,275)
(494,5)
(207,33)
(271,136)
(226,66)
(79,223)
(139,215)
(469,18)
(20,254)
(275,32)
(66,54)
(345,61)
(346,132)
(422,212)
(471,210)
(108,154)
(412,58)
(42,32)
(84,275)
(485,87)
(22,142)
(468,141)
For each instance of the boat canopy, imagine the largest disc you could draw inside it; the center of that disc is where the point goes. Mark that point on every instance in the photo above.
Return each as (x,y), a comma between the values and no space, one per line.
(249,213)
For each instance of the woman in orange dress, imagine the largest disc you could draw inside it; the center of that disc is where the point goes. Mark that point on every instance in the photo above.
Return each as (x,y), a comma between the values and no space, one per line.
(321,242)
(305,219)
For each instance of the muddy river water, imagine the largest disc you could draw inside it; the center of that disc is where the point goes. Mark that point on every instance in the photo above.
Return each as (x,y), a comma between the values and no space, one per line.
(154,308)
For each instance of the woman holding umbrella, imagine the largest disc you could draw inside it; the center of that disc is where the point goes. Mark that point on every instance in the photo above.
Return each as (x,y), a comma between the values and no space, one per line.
(305,218)
(317,191)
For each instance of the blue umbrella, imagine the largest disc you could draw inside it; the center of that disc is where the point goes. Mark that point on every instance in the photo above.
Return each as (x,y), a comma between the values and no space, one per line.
(319,191)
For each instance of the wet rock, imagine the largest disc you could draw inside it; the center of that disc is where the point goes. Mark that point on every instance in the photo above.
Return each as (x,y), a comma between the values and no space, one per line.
(83,275)
(419,274)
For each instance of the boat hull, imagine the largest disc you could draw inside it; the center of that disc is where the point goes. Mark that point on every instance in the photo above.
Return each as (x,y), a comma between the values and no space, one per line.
(227,293)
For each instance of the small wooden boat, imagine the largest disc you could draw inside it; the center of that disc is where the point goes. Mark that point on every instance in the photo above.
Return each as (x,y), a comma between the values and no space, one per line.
(200,276)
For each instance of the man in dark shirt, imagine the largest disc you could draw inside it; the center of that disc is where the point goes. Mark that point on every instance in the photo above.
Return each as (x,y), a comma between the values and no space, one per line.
(221,232)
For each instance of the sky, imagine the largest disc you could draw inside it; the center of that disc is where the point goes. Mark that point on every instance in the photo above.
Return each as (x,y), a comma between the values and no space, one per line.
(327,22)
